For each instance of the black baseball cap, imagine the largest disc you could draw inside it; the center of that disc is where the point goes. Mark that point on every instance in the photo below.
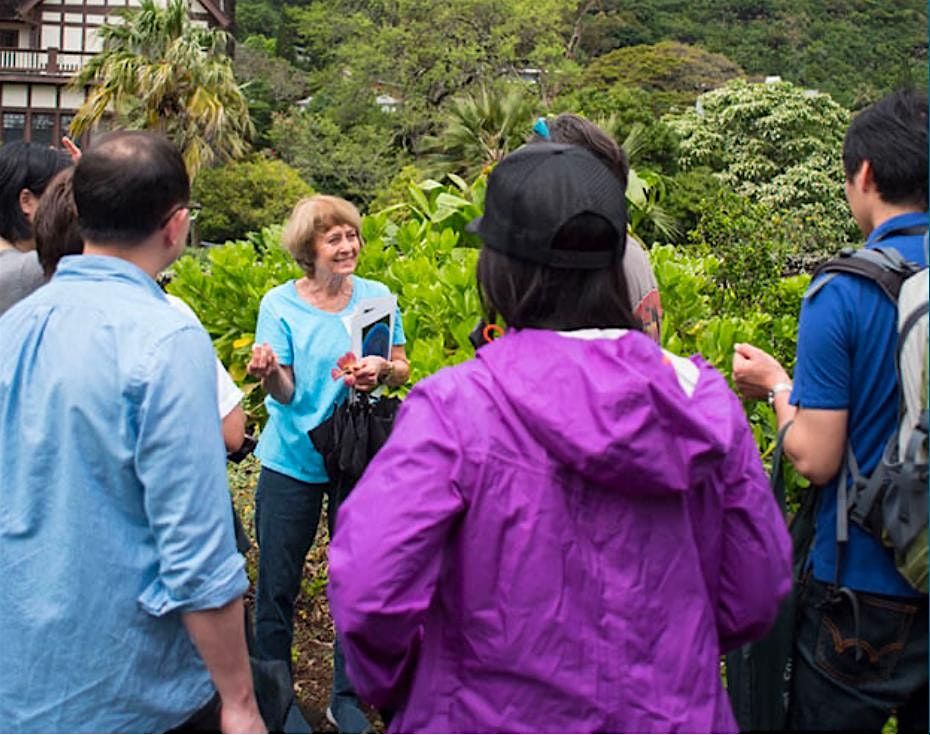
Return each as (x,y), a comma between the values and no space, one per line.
(536,190)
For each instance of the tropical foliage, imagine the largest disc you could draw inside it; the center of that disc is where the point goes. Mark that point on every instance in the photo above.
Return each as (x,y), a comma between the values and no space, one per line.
(777,144)
(270,84)
(855,50)
(420,250)
(158,71)
(479,130)
(352,161)
(675,73)
(224,287)
(244,196)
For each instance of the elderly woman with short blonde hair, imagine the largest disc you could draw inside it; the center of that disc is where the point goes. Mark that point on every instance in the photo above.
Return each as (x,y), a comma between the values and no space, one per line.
(301,334)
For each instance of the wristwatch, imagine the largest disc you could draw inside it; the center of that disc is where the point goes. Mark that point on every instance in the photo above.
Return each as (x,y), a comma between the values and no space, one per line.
(776,389)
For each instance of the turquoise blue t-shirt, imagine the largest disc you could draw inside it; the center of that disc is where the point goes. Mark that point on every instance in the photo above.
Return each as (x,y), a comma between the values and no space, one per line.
(311,341)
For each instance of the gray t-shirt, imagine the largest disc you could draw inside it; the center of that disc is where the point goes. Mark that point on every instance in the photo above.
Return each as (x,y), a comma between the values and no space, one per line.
(20,275)
(644,290)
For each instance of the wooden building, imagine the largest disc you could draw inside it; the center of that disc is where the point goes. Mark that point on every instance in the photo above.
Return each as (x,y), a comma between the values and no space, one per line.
(43,43)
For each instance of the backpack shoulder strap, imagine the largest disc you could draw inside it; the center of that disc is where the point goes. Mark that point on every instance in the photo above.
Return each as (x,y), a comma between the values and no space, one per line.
(884,267)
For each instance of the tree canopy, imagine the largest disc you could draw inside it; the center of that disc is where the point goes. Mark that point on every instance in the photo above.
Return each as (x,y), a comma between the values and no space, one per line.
(777,144)
(158,71)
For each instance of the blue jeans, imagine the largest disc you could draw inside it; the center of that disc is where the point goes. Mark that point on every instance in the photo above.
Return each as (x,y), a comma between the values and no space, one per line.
(832,690)
(287,513)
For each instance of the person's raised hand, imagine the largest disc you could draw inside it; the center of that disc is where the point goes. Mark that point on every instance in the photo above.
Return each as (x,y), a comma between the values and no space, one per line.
(264,361)
(755,371)
(71,149)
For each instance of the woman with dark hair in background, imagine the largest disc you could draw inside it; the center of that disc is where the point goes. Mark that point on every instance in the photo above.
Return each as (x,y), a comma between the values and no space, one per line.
(25,170)
(643,287)
(564,533)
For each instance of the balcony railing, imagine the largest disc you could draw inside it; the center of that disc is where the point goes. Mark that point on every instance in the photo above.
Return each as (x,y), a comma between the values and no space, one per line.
(46,62)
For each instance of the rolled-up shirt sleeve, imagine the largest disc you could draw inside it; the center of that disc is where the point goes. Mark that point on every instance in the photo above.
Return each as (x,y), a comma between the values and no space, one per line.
(180,462)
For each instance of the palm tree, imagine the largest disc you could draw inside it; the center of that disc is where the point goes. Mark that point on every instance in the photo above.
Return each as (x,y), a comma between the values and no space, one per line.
(480,129)
(157,71)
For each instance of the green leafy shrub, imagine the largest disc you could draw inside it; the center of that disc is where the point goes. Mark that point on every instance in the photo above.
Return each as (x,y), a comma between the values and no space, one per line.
(244,196)
(752,253)
(688,195)
(698,319)
(420,250)
(626,107)
(428,260)
(224,289)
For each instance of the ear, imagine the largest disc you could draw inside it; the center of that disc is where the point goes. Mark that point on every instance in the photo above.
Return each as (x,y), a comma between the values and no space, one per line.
(28,203)
(175,229)
(864,178)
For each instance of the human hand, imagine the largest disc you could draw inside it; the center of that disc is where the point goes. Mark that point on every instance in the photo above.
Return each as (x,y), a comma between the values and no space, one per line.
(71,149)
(242,718)
(755,371)
(264,362)
(365,373)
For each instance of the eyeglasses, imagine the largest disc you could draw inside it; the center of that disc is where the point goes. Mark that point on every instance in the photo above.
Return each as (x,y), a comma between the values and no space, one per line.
(193,209)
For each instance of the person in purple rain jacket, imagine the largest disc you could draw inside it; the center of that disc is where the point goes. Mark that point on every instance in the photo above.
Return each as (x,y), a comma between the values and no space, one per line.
(565,533)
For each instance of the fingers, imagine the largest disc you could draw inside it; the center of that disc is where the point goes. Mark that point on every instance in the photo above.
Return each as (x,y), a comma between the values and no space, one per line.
(71,149)
(264,361)
(364,378)
(749,351)
(365,373)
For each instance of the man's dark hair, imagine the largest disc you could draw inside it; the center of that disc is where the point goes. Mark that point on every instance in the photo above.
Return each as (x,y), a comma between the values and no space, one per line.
(24,166)
(892,136)
(126,186)
(56,224)
(528,294)
(575,130)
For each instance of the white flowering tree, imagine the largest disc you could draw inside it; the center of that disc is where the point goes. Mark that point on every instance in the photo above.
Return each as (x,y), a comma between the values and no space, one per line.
(776,144)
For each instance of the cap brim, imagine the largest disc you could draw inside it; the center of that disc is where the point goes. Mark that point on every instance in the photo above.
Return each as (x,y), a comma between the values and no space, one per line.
(474,227)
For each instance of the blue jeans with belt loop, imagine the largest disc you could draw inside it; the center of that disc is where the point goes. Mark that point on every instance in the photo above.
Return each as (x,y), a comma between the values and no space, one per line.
(287,514)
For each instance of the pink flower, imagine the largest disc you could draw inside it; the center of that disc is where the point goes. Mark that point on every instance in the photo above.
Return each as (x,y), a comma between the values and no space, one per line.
(344,367)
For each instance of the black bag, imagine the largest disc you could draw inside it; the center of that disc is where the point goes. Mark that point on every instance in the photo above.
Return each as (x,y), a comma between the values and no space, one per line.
(759,673)
(349,439)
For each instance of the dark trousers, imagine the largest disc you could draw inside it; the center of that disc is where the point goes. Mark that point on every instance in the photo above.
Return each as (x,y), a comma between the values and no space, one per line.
(287,513)
(833,691)
(204,720)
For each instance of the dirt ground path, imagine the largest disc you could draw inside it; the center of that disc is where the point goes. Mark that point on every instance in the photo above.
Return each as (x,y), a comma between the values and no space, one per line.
(313,627)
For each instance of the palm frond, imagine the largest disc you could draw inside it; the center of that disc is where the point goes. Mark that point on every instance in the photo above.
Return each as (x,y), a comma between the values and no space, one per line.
(157,71)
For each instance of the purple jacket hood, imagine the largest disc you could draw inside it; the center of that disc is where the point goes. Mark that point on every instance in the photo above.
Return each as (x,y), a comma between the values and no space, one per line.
(614,410)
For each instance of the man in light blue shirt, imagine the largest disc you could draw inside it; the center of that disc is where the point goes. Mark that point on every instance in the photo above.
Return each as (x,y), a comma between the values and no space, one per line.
(120,607)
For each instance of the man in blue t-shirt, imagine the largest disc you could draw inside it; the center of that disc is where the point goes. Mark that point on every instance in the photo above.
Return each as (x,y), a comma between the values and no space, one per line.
(861,647)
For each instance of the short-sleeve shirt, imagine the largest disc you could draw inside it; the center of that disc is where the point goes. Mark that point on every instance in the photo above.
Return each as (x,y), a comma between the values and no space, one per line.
(846,361)
(310,340)
(644,289)
(20,275)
